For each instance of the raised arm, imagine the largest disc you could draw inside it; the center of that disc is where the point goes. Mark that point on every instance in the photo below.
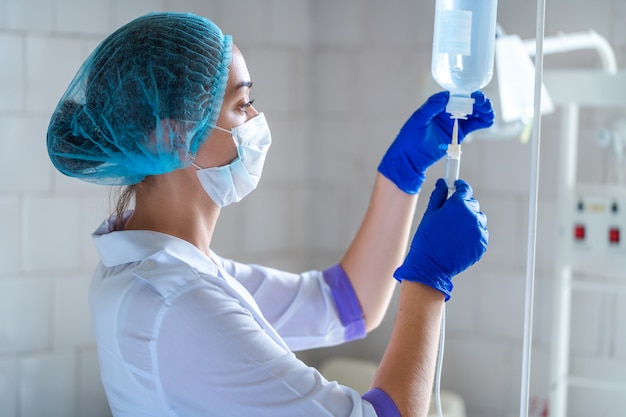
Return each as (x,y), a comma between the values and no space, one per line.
(451,237)
(378,248)
(380,243)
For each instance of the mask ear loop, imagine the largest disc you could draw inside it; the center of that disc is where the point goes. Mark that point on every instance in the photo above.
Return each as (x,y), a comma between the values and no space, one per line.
(230,132)
(189,158)
(189,161)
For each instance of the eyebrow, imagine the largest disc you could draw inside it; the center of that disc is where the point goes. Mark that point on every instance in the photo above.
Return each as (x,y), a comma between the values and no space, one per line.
(244,84)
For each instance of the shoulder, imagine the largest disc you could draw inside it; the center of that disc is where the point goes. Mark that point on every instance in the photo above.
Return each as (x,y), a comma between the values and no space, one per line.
(171,276)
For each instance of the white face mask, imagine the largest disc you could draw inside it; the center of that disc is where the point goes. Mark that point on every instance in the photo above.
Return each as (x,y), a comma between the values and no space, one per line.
(230,183)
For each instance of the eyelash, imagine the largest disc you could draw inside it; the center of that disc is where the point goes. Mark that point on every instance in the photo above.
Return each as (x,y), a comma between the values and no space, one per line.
(245,106)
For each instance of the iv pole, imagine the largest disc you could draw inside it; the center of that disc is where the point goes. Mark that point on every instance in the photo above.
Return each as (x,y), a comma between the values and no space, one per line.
(532,212)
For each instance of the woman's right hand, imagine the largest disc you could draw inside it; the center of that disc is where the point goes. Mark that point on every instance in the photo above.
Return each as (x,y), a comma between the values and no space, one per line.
(451,237)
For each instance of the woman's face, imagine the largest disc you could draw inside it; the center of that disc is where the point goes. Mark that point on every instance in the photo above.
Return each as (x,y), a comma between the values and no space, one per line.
(219,149)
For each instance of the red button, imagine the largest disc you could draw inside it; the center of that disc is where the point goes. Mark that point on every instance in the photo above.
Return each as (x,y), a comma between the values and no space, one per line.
(614,235)
(579,232)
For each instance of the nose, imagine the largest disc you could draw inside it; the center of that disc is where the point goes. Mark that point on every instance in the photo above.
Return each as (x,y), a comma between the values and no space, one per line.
(252,112)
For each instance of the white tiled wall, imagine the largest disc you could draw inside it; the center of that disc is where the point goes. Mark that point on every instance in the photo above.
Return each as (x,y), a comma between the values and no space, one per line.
(8,386)
(12,82)
(336,78)
(26,308)
(48,384)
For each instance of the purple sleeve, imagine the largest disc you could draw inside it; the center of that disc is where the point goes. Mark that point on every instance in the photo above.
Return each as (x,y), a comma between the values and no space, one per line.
(382,403)
(346,302)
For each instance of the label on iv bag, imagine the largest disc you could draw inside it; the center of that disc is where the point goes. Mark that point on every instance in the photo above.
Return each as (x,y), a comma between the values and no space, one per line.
(455,32)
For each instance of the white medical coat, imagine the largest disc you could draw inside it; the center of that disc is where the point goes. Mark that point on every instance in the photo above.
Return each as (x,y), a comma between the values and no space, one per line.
(180,334)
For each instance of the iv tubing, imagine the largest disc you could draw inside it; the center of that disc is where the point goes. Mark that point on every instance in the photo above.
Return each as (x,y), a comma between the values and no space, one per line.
(452,174)
(532,211)
(453,160)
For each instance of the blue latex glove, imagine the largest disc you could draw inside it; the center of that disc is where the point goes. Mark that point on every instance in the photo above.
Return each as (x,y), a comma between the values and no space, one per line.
(418,145)
(451,237)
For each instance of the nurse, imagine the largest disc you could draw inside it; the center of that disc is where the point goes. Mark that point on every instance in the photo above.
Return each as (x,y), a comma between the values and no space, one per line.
(162,107)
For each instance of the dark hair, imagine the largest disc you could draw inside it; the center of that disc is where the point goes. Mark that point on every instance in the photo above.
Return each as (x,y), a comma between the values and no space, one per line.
(122,205)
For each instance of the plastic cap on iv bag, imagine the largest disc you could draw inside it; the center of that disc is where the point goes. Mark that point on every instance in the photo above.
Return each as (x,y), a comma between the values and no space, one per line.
(460,106)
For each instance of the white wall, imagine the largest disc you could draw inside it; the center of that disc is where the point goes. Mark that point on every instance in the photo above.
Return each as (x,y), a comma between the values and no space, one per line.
(336,78)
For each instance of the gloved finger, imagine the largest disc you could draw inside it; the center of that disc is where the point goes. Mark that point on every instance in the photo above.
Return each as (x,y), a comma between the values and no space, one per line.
(479,97)
(431,108)
(484,110)
(482,104)
(486,237)
(463,190)
(482,220)
(438,196)
(482,116)
(465,193)
(481,121)
(484,233)
(472,203)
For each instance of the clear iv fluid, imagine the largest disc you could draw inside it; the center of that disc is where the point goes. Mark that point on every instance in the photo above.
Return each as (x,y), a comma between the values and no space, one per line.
(463,44)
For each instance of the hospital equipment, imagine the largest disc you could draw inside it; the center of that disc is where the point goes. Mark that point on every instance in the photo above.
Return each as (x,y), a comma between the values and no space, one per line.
(462,62)
(601,89)
(592,203)
(453,163)
(519,117)
(592,225)
(463,49)
(453,158)
(532,214)
(513,94)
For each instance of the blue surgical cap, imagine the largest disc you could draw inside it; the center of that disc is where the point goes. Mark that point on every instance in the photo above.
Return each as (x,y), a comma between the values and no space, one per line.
(143,101)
